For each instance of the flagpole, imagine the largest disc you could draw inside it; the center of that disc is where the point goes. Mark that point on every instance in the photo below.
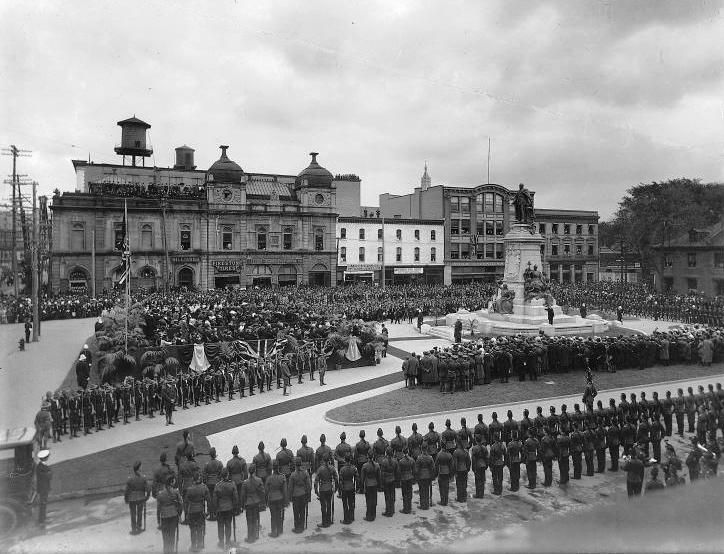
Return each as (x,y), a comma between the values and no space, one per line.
(127,255)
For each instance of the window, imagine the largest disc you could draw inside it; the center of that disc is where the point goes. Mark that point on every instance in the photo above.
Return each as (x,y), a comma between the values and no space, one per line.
(464,226)
(417,234)
(465,205)
(455,227)
(343,254)
(718,259)
(261,238)
(579,229)
(432,234)
(499,228)
(433,254)
(488,199)
(343,233)
(454,252)
(77,237)
(379,234)
(498,204)
(380,253)
(489,228)
(146,237)
(590,229)
(398,234)
(117,235)
(489,250)
(288,233)
(185,237)
(542,250)
(417,254)
(590,250)
(691,284)
(479,203)
(361,234)
(455,204)
(319,239)
(691,261)
(554,250)
(465,251)
(554,228)
(566,229)
(147,273)
(668,261)
(398,254)
(361,253)
(567,249)
(542,228)
(589,277)
(498,251)
(579,250)
(227,237)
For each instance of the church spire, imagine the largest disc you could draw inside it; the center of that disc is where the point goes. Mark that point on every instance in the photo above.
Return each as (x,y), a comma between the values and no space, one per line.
(425,182)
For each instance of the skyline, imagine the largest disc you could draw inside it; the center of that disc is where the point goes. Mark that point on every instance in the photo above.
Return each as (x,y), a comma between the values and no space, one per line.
(581,100)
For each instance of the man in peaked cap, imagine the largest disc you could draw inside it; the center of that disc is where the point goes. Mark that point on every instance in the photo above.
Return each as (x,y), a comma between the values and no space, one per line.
(43,476)
(136,495)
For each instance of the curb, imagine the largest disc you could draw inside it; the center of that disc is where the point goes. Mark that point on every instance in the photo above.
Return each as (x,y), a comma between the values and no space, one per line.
(498,406)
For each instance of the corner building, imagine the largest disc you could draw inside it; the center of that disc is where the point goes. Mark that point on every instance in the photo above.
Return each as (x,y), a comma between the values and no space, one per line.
(204,229)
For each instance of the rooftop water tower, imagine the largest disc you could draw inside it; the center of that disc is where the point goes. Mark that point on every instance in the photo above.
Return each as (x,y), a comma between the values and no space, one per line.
(133,140)
(184,158)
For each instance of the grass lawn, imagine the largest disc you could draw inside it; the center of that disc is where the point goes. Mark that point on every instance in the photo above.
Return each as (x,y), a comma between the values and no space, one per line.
(406,403)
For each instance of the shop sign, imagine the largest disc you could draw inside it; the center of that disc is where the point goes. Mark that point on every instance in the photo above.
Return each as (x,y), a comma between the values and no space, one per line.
(363,267)
(185,259)
(226,266)
(408,271)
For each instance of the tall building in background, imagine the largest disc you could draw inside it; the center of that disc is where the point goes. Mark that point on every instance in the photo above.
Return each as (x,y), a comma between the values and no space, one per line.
(476,219)
(197,228)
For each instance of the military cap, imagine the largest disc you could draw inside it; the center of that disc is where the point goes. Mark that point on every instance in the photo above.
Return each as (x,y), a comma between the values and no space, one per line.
(343,435)
(235,450)
(362,434)
(379,432)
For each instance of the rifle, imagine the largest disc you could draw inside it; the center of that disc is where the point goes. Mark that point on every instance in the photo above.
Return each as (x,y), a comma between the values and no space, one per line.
(144,515)
(233,519)
(306,513)
(333,506)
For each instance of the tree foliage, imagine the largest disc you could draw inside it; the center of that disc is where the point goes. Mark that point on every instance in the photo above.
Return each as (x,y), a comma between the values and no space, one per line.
(654,213)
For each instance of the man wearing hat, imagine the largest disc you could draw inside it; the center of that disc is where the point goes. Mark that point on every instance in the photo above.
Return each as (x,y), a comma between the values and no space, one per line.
(361,455)
(284,459)
(252,496)
(237,470)
(323,452)
(299,489)
(82,371)
(342,451)
(169,506)
(43,476)
(389,473)
(136,495)
(275,492)
(306,456)
(370,478)
(198,500)
(226,501)
(348,477)
(211,476)
(326,483)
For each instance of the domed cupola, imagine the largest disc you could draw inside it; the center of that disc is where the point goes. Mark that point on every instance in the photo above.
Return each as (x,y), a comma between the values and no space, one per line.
(315,175)
(225,170)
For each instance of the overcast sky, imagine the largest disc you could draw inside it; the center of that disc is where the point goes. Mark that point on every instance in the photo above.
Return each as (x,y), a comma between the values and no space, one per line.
(581,99)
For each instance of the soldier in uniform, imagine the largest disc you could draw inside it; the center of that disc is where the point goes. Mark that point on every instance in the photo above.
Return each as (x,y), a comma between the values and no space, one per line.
(187,472)
(576,442)
(495,427)
(424,473)
(432,438)
(299,490)
(389,474)
(252,496)
(406,466)
(480,430)
(679,411)
(656,431)
(370,478)
(414,442)
(530,457)
(169,506)
(563,446)
(263,464)
(497,461)
(599,444)
(588,448)
(342,451)
(613,440)
(348,478)
(323,451)
(285,458)
(548,454)
(237,470)
(448,438)
(464,434)
(211,476)
(514,457)
(398,443)
(380,446)
(275,494)
(326,483)
(306,456)
(690,404)
(361,455)
(136,495)
(462,463)
(479,462)
(198,499)
(160,478)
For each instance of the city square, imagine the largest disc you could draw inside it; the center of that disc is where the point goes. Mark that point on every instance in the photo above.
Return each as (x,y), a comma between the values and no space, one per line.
(225,346)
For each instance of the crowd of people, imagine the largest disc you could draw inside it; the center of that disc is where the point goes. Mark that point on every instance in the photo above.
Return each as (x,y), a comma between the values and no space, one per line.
(630,433)
(463,365)
(69,306)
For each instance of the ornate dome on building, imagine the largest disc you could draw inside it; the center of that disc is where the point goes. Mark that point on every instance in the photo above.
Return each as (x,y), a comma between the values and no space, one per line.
(225,170)
(315,175)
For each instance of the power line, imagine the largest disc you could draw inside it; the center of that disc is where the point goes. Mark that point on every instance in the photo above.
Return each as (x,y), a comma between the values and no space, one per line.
(16,153)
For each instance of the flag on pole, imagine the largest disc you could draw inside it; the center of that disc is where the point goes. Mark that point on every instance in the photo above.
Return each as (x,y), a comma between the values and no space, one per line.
(278,347)
(123,244)
(244,349)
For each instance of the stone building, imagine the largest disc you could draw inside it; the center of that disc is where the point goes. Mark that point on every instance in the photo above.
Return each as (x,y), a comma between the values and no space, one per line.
(188,227)
(476,219)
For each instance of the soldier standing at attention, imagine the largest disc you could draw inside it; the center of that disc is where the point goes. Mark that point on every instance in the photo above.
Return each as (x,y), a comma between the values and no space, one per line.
(497,461)
(370,481)
(514,451)
(424,473)
(160,477)
(679,411)
(406,465)
(169,506)
(479,455)
(548,454)
(252,496)
(299,490)
(563,445)
(444,468)
(414,442)
(306,455)
(284,459)
(530,456)
(212,475)
(198,499)
(326,483)
(136,495)
(389,473)
(237,470)
(461,460)
(361,455)
(348,478)
(275,492)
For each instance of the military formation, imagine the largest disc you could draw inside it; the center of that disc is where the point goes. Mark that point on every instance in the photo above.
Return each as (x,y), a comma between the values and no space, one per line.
(464,365)
(630,433)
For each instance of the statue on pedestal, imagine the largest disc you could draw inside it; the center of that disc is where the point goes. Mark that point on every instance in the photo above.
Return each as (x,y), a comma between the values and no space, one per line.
(523,202)
(535,284)
(504,300)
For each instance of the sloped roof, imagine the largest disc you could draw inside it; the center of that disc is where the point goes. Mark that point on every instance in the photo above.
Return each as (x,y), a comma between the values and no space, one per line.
(267,188)
(707,237)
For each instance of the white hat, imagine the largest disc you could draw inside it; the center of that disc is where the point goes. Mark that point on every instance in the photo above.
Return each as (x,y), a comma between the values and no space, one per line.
(43,454)
(85,347)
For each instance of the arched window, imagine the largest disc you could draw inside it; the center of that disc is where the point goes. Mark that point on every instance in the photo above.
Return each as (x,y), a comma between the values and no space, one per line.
(261,238)
(77,237)
(146,237)
(185,237)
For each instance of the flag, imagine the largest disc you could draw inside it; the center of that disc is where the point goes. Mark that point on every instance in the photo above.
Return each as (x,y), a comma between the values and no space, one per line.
(122,244)
(243,349)
(278,347)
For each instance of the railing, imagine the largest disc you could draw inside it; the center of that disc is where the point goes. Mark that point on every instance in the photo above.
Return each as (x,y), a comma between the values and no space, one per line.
(130,190)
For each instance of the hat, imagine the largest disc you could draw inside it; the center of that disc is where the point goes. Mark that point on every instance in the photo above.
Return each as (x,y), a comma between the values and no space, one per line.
(136,465)
(235,450)
(43,454)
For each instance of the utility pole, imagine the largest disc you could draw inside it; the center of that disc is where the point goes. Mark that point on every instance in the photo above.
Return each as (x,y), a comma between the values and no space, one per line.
(16,153)
(34,250)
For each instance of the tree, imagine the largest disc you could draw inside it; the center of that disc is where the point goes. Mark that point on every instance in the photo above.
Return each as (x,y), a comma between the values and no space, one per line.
(650,214)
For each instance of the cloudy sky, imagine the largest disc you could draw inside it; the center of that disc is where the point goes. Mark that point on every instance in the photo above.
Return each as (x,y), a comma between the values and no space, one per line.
(581,99)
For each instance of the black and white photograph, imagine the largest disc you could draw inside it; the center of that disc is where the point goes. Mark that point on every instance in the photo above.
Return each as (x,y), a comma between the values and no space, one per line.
(375,276)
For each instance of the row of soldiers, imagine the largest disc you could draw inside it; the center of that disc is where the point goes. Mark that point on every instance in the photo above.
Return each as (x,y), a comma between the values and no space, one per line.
(97,407)
(582,439)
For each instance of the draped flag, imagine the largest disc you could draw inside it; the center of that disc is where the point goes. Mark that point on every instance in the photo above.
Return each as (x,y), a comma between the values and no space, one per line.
(199,361)
(123,244)
(243,349)
(278,347)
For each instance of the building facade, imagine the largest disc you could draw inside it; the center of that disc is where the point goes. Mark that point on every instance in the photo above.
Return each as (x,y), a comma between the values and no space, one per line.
(694,262)
(407,250)
(186,227)
(476,220)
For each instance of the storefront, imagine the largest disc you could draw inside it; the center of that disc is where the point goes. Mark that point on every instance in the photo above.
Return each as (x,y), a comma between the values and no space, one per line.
(361,273)
(414,274)
(227,273)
